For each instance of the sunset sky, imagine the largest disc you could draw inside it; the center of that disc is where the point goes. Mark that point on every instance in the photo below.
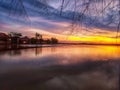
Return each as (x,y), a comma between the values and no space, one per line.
(98,23)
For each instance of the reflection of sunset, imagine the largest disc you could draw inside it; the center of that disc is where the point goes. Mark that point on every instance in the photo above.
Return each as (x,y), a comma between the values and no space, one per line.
(59,44)
(67,54)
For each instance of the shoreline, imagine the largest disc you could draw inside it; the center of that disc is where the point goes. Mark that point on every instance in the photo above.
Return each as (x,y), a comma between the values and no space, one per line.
(28,46)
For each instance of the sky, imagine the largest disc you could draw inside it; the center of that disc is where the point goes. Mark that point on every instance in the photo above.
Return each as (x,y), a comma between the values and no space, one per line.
(86,21)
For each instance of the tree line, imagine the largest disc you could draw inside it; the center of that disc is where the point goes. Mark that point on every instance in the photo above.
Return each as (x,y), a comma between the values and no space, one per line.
(17,38)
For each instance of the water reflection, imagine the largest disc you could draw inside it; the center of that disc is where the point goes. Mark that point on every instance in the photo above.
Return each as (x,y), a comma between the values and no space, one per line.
(79,53)
(63,68)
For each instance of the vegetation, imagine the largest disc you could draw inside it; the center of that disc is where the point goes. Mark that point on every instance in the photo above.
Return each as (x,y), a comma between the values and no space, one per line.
(15,34)
(38,38)
(33,41)
(51,41)
(54,40)
(48,41)
(16,38)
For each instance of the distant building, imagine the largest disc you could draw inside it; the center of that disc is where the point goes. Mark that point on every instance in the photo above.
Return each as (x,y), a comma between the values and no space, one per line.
(4,39)
(25,40)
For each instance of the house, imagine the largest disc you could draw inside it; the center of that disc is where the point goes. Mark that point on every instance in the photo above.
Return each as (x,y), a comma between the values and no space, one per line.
(4,38)
(24,40)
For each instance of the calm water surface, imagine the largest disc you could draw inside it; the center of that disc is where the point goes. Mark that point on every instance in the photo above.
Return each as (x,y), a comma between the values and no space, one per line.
(74,67)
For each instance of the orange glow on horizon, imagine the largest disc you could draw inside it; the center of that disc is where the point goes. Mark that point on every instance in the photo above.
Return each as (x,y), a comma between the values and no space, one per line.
(94,38)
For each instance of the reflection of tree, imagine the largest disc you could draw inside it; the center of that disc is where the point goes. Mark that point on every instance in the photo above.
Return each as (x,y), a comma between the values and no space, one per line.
(53,49)
(38,51)
(15,52)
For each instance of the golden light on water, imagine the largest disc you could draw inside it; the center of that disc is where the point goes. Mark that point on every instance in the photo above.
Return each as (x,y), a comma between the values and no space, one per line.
(68,54)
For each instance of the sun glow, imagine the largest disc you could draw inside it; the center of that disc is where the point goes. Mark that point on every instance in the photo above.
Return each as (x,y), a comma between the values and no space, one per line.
(95,39)
(104,38)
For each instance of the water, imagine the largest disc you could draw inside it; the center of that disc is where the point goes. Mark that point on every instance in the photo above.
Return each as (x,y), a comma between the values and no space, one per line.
(73,67)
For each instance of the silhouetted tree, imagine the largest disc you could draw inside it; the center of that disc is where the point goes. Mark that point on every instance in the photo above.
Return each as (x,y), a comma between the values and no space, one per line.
(38,38)
(48,41)
(54,41)
(14,37)
(33,41)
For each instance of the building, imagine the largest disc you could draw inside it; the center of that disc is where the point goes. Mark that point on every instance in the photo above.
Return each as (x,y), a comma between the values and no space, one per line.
(24,40)
(4,38)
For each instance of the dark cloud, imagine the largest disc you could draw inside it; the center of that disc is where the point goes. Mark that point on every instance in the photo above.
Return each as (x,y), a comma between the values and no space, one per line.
(14,12)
